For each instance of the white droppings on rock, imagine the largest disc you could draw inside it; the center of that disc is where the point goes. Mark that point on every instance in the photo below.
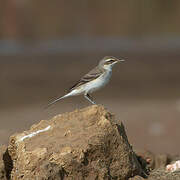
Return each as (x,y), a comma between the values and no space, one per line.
(34,133)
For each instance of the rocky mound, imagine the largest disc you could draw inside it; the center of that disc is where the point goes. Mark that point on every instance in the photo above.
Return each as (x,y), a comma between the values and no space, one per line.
(85,144)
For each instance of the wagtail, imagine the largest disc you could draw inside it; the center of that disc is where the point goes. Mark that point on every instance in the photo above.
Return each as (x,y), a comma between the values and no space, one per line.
(92,81)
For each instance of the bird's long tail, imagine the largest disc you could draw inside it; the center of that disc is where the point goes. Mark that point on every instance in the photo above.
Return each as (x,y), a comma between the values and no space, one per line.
(56,100)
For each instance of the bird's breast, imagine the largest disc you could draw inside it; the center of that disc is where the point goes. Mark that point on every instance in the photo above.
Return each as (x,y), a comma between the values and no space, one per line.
(99,82)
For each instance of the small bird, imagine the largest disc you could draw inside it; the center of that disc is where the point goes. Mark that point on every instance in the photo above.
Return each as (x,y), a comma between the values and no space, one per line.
(92,81)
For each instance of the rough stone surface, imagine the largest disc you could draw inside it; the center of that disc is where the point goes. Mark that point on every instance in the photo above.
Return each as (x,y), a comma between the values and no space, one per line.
(147,159)
(136,178)
(162,174)
(2,165)
(84,144)
(161,160)
(155,166)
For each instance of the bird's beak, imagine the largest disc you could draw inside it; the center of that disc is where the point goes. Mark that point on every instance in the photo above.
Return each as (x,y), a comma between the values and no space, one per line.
(120,60)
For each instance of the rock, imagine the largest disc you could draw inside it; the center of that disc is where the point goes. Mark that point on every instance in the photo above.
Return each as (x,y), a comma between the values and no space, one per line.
(161,161)
(146,159)
(84,144)
(156,164)
(153,161)
(162,174)
(136,178)
(3,168)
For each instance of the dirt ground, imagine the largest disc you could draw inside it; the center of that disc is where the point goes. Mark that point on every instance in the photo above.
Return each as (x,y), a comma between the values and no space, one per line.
(143,93)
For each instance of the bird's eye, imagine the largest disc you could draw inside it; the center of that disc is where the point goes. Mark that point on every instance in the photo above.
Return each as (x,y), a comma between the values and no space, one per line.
(111,61)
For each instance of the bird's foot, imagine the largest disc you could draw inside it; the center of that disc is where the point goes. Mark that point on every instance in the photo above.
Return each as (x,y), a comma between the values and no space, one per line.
(89,98)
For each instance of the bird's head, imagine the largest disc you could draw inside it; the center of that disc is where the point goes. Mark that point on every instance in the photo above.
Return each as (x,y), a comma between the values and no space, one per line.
(108,62)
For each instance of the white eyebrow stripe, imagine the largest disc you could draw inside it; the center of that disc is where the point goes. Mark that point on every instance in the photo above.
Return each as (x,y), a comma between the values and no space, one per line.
(110,59)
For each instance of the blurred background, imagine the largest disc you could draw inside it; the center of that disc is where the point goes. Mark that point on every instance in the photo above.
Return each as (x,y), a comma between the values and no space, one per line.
(46,46)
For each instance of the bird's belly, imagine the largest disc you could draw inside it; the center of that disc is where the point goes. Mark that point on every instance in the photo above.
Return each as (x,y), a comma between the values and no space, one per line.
(78,91)
(98,83)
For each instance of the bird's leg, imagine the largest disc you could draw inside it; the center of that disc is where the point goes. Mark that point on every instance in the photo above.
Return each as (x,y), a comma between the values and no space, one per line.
(89,98)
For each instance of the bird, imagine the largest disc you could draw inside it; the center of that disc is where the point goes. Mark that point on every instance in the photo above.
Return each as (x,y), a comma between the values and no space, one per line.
(93,80)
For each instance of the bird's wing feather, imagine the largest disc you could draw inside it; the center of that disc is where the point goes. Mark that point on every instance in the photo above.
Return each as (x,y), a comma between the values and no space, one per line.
(93,74)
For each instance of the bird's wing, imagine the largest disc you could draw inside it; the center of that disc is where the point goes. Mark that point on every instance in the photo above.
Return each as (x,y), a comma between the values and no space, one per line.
(93,74)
